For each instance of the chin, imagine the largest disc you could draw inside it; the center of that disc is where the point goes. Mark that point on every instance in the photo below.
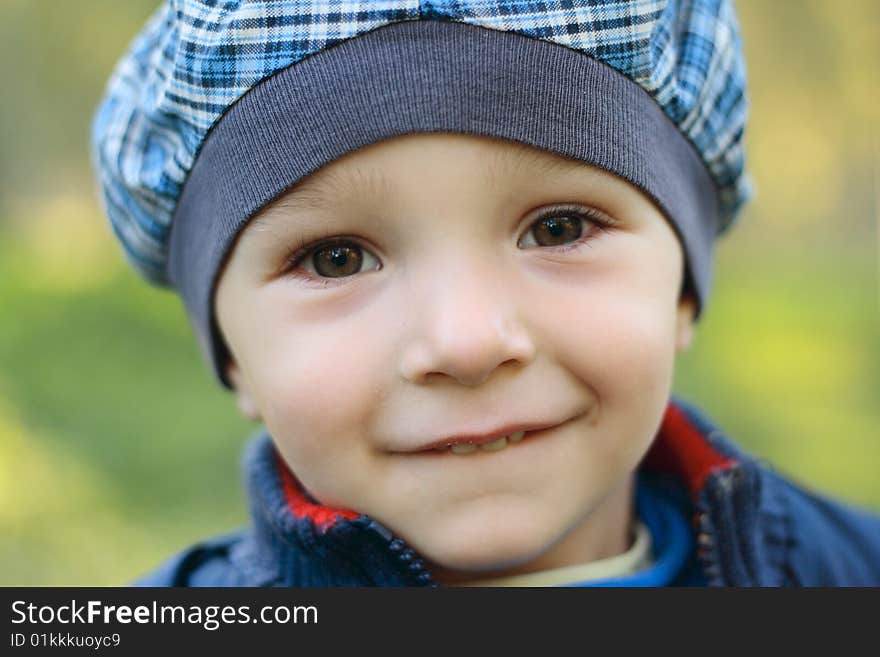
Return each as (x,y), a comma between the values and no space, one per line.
(476,553)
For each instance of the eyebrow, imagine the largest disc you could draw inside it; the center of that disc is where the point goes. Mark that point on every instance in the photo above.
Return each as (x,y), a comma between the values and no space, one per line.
(315,193)
(524,158)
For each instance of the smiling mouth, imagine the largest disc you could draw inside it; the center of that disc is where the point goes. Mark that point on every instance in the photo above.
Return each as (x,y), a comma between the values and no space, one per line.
(475,445)
(466,443)
(494,446)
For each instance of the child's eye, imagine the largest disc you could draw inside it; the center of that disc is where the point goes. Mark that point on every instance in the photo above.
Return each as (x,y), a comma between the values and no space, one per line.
(564,226)
(337,259)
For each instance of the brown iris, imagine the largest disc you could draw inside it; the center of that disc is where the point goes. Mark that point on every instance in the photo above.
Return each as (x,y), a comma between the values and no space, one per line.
(553,231)
(338,260)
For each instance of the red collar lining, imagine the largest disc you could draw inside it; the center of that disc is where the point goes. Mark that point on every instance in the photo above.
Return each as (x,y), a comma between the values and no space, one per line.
(682,450)
(323,517)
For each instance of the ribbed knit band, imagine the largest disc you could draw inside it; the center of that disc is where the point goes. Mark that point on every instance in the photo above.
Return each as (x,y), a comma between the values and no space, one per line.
(428,76)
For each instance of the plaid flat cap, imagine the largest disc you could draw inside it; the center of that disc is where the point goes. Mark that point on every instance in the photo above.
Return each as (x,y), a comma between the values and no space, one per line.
(220,106)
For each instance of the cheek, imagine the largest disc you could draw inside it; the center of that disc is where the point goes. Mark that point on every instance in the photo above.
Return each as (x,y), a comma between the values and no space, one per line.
(635,346)
(624,356)
(616,336)
(318,388)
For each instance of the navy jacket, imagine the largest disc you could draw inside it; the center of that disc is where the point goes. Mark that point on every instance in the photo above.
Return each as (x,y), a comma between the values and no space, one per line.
(751,526)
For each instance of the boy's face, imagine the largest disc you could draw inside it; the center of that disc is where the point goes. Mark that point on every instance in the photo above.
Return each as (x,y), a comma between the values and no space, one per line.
(465,290)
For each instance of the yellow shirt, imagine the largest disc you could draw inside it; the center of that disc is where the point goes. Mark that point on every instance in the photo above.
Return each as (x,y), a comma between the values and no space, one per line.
(638,557)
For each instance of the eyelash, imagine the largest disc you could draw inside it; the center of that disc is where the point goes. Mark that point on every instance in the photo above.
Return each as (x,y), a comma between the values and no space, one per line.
(599,222)
(303,249)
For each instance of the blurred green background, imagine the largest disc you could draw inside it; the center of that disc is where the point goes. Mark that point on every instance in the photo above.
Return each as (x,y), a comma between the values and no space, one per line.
(116,447)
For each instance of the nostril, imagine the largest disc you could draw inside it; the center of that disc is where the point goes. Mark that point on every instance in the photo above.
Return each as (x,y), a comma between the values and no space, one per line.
(466,350)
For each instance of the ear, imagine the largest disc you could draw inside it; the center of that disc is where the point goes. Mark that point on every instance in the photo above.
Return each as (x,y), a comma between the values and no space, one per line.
(241,389)
(684,322)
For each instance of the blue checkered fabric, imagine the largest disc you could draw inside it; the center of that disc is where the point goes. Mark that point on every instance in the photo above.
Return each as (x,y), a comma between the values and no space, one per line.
(195,58)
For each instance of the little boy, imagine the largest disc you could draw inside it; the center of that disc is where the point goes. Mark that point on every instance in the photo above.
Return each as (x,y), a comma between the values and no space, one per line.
(446,252)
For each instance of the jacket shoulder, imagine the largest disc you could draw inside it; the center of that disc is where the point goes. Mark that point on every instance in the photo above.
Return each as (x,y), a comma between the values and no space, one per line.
(207,563)
(832,542)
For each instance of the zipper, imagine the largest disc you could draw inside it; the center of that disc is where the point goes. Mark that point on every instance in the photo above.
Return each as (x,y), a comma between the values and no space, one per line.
(403,555)
(707,550)
(707,544)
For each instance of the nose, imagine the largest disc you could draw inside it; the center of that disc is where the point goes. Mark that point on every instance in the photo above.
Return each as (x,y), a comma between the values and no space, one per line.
(466,327)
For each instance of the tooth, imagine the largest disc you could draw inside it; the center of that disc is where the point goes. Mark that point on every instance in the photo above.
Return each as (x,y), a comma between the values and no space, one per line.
(463,448)
(495,445)
(516,437)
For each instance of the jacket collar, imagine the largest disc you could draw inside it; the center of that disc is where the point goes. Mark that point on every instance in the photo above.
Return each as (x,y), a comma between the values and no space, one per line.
(740,524)
(739,514)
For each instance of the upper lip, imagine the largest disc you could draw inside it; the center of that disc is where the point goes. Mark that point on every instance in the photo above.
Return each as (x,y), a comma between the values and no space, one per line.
(482,438)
